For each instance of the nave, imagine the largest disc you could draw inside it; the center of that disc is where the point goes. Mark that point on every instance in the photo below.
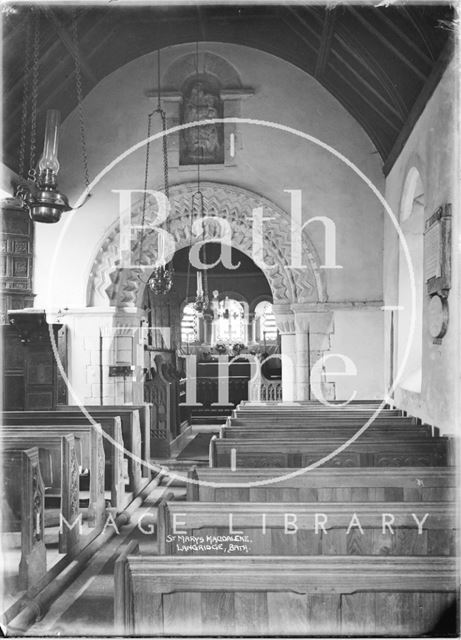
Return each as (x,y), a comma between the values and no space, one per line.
(230,318)
(260,540)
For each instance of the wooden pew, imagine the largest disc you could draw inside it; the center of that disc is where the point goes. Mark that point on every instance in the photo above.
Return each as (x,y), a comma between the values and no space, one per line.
(145,422)
(297,420)
(265,407)
(321,410)
(131,430)
(360,453)
(24,509)
(113,445)
(131,433)
(322,485)
(310,403)
(327,431)
(92,455)
(283,596)
(58,467)
(293,528)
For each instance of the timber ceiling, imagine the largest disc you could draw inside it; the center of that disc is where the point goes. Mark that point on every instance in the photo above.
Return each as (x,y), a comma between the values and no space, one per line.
(381,63)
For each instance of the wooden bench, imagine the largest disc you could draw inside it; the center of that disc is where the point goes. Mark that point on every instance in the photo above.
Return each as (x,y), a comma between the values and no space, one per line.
(145,423)
(58,467)
(316,408)
(326,431)
(293,528)
(314,404)
(24,510)
(131,432)
(113,445)
(282,596)
(92,453)
(360,453)
(321,485)
(296,420)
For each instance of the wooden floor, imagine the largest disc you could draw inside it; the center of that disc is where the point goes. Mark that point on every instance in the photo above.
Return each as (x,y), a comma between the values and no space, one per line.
(87,606)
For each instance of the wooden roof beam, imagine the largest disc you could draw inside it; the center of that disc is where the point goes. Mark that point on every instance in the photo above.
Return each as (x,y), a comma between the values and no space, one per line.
(300,35)
(375,108)
(361,54)
(68,42)
(379,36)
(325,41)
(358,76)
(380,13)
(418,106)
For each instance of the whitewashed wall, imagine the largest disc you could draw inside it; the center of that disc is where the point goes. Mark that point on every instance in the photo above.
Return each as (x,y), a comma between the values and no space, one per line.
(268,162)
(432,149)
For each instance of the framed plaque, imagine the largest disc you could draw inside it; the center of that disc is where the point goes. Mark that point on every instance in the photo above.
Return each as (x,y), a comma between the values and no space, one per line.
(437,251)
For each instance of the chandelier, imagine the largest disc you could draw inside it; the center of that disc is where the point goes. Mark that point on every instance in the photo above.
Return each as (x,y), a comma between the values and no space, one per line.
(202,299)
(161,279)
(37,193)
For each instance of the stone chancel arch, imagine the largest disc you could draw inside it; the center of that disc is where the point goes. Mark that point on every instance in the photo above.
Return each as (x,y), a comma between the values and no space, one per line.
(111,285)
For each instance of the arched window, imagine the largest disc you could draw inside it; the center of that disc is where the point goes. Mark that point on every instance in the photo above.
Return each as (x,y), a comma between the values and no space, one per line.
(412,225)
(189,324)
(229,321)
(266,328)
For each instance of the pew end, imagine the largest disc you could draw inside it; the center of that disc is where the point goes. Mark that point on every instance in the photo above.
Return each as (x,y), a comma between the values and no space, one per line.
(123,594)
(192,487)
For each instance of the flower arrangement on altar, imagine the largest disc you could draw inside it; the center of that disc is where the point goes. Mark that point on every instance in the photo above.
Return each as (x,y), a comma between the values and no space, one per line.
(237,348)
(221,348)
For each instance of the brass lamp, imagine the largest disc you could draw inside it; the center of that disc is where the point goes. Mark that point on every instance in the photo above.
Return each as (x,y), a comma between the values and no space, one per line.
(45,202)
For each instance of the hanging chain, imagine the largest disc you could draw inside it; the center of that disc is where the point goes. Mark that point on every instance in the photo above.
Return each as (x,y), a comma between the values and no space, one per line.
(202,200)
(25,98)
(146,180)
(162,114)
(79,92)
(33,113)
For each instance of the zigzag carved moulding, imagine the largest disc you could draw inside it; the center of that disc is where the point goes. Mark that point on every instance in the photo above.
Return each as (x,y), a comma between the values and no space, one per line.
(109,285)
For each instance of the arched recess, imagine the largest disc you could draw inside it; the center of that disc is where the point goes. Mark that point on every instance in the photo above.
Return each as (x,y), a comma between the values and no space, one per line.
(412,225)
(110,285)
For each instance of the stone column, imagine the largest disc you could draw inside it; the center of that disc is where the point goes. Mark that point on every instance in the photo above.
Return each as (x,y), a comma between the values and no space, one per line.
(285,320)
(302,391)
(208,328)
(313,327)
(250,328)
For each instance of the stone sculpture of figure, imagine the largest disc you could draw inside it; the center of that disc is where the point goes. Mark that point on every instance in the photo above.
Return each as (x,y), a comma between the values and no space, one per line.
(202,144)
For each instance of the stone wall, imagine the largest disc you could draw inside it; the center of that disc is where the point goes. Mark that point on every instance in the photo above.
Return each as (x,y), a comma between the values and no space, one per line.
(431,149)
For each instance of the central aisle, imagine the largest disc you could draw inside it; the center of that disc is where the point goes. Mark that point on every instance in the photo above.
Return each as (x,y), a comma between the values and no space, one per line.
(87,606)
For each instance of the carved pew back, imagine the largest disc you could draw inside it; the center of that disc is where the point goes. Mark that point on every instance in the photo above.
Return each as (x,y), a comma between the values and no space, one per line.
(24,495)
(112,442)
(131,432)
(92,449)
(145,423)
(322,485)
(57,457)
(369,452)
(233,595)
(327,431)
(291,529)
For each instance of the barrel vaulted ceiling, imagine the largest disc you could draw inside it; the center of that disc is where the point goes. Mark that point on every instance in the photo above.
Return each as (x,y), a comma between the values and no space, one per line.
(381,62)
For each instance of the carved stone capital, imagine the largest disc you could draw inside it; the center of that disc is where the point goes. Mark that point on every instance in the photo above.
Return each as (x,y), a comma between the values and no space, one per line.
(284,319)
(316,322)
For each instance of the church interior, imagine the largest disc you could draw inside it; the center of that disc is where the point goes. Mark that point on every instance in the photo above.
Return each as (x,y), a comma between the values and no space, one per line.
(230,319)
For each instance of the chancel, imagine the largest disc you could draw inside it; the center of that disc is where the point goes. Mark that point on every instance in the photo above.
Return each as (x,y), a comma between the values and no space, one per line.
(230,319)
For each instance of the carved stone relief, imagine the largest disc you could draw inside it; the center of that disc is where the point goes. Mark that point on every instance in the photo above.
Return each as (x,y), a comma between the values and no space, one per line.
(111,286)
